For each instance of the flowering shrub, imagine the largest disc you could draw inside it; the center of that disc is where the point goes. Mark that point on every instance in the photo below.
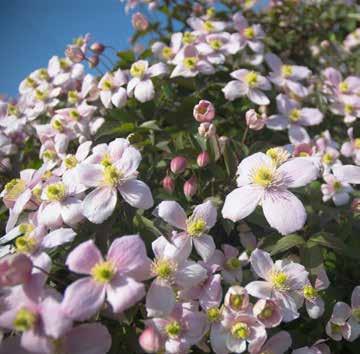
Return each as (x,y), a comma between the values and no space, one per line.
(201,196)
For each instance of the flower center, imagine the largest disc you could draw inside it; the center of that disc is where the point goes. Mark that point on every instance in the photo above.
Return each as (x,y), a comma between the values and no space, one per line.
(233,263)
(103,272)
(74,114)
(286,70)
(266,313)
(213,314)
(137,70)
(24,320)
(49,155)
(196,228)
(215,44)
(337,186)
(310,292)
(163,268)
(26,229)
(41,95)
(295,115)
(107,85)
(11,110)
(328,159)
(208,26)
(26,244)
(73,96)
(190,62)
(64,64)
(30,82)
(356,313)
(249,32)
(278,155)
(251,78)
(188,38)
(279,281)
(14,188)
(348,108)
(335,328)
(112,175)
(263,176)
(343,87)
(106,160)
(357,143)
(167,53)
(173,329)
(70,162)
(57,125)
(43,74)
(240,330)
(236,301)
(55,192)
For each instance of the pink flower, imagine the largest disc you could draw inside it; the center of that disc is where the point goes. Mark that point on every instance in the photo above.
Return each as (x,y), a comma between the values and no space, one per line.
(292,117)
(318,348)
(117,278)
(260,181)
(277,344)
(190,187)
(282,281)
(112,91)
(237,299)
(232,270)
(287,76)
(183,328)
(178,164)
(201,26)
(15,269)
(139,22)
(168,184)
(247,83)
(338,327)
(110,169)
(203,159)
(167,53)
(336,190)
(204,111)
(268,312)
(193,229)
(172,270)
(348,107)
(352,148)
(335,83)
(141,85)
(238,332)
(150,340)
(254,120)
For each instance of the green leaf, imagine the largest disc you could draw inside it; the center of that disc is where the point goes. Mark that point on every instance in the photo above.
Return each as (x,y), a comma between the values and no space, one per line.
(150,124)
(286,243)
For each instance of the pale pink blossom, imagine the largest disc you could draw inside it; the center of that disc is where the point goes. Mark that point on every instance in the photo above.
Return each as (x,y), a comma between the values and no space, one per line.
(277,344)
(336,190)
(112,90)
(351,148)
(338,327)
(254,120)
(204,111)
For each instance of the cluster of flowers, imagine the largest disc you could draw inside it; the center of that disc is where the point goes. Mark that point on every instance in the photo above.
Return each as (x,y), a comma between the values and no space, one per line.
(184,298)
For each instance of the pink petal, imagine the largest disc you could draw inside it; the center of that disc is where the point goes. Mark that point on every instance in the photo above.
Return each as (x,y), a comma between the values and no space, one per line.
(259,289)
(205,246)
(90,175)
(347,173)
(207,212)
(58,237)
(279,343)
(261,263)
(160,299)
(137,194)
(172,213)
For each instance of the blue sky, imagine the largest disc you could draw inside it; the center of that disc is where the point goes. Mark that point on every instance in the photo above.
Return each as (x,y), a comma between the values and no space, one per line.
(31,31)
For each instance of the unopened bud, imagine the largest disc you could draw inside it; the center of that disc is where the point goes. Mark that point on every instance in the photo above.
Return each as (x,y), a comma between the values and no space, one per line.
(139,22)
(207,130)
(203,159)
(190,187)
(74,53)
(150,340)
(97,47)
(254,120)
(178,164)
(204,111)
(355,205)
(168,184)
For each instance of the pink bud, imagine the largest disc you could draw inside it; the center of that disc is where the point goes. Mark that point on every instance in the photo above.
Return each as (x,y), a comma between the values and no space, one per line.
(253,120)
(139,22)
(93,61)
(168,184)
(178,164)
(190,187)
(15,269)
(97,47)
(198,9)
(204,111)
(150,340)
(207,130)
(74,53)
(355,205)
(203,159)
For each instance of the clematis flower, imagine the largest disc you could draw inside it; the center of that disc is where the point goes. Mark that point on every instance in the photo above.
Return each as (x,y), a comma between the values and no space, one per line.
(172,270)
(351,148)
(277,344)
(237,300)
(268,312)
(318,348)
(336,190)
(232,265)
(141,85)
(348,107)
(117,278)
(83,339)
(338,327)
(116,172)
(282,282)
(335,83)
(247,83)
(251,36)
(183,328)
(205,26)
(15,269)
(238,332)
(347,173)
(193,229)
(112,91)
(260,181)
(287,76)
(165,52)
(292,117)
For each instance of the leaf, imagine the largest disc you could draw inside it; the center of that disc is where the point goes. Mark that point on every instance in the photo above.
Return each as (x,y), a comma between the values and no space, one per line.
(150,124)
(286,243)
(230,160)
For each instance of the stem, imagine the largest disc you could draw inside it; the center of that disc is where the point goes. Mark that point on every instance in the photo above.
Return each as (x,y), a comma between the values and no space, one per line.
(244,135)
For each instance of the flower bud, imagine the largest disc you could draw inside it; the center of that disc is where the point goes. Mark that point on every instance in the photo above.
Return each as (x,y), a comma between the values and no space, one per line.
(93,61)
(204,111)
(253,120)
(355,205)
(168,184)
(325,44)
(74,53)
(203,159)
(190,187)
(150,340)
(207,130)
(139,22)
(97,48)
(178,164)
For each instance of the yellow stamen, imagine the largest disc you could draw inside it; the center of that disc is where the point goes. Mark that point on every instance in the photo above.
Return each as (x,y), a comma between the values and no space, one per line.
(286,70)
(249,32)
(263,176)
(103,272)
(310,292)
(240,330)
(138,69)
(14,188)
(26,244)
(24,320)
(279,281)
(251,78)
(173,329)
(190,62)
(213,314)
(70,162)
(196,227)
(55,191)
